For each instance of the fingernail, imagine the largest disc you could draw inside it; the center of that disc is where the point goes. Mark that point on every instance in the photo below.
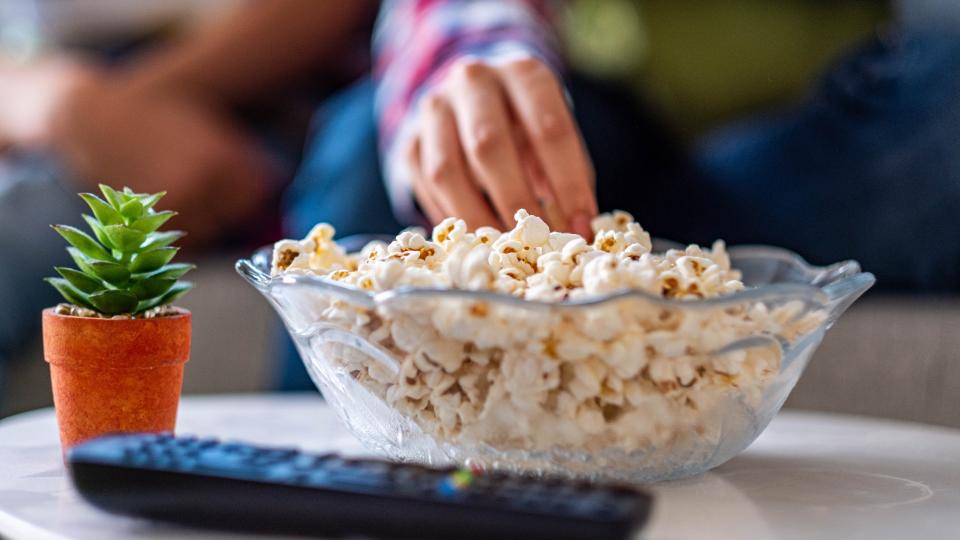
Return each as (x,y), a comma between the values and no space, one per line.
(581,225)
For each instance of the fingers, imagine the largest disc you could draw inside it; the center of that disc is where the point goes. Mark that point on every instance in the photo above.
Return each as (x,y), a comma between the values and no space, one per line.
(467,149)
(483,126)
(540,184)
(444,168)
(423,192)
(538,101)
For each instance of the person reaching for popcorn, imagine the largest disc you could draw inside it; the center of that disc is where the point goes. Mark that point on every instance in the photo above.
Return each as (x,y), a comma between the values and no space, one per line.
(473,110)
(479,113)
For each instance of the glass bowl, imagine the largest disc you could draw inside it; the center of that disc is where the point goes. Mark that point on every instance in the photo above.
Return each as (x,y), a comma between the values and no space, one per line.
(628,386)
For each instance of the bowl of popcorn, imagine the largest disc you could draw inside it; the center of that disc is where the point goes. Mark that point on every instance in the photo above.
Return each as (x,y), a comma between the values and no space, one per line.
(537,351)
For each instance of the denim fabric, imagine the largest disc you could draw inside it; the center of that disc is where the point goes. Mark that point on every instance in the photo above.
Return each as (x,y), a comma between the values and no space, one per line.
(868,168)
(339,179)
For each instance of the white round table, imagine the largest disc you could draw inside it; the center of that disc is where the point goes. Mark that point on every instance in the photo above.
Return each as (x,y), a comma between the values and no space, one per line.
(808,476)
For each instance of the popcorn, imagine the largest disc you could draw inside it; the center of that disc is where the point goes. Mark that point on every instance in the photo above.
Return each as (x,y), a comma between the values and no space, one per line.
(614,221)
(486,235)
(530,230)
(285,254)
(449,231)
(610,242)
(636,372)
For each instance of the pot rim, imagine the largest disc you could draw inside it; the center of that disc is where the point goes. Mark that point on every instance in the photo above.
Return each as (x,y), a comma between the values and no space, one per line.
(181,312)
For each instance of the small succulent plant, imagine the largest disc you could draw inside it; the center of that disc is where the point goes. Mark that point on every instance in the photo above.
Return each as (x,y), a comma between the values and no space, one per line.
(125,267)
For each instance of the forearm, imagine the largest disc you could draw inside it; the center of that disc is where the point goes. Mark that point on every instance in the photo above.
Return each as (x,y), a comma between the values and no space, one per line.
(264,45)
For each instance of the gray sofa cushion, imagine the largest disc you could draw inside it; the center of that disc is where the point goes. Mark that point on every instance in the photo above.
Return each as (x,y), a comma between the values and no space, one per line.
(890,356)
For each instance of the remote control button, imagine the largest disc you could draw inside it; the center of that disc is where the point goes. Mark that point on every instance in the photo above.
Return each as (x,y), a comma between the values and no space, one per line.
(186,441)
(309,462)
(203,444)
(272,457)
(282,453)
(374,467)
(237,448)
(219,463)
(355,479)
(163,438)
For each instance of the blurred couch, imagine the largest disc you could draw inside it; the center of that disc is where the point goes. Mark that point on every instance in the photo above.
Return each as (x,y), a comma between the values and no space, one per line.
(890,356)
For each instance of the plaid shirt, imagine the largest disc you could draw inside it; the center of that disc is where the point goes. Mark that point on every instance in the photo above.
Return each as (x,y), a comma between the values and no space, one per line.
(416,40)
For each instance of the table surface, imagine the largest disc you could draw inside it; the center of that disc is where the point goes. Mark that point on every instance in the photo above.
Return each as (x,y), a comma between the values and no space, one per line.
(809,475)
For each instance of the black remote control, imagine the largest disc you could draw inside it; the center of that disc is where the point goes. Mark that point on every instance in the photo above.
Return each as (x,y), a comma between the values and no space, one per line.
(237,486)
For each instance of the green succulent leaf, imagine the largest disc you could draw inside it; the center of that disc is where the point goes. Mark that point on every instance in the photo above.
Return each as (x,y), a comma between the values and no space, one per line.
(149,201)
(124,238)
(113,273)
(181,288)
(111,196)
(124,196)
(105,213)
(161,239)
(114,302)
(148,261)
(175,292)
(132,210)
(97,229)
(170,271)
(152,222)
(151,288)
(83,263)
(82,241)
(81,281)
(69,292)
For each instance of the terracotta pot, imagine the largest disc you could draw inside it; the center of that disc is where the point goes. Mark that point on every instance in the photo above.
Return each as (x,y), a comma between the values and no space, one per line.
(115,375)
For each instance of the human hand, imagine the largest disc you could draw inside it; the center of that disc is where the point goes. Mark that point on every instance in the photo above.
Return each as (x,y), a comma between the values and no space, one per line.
(158,139)
(490,139)
(29,94)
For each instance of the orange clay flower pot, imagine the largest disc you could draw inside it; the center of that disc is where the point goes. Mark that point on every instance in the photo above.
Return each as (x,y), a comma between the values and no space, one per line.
(115,375)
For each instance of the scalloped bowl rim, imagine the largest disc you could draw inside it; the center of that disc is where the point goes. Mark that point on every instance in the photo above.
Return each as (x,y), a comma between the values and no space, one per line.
(849,277)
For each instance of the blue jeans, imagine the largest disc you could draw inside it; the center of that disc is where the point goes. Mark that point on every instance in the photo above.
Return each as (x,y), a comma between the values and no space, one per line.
(866,167)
